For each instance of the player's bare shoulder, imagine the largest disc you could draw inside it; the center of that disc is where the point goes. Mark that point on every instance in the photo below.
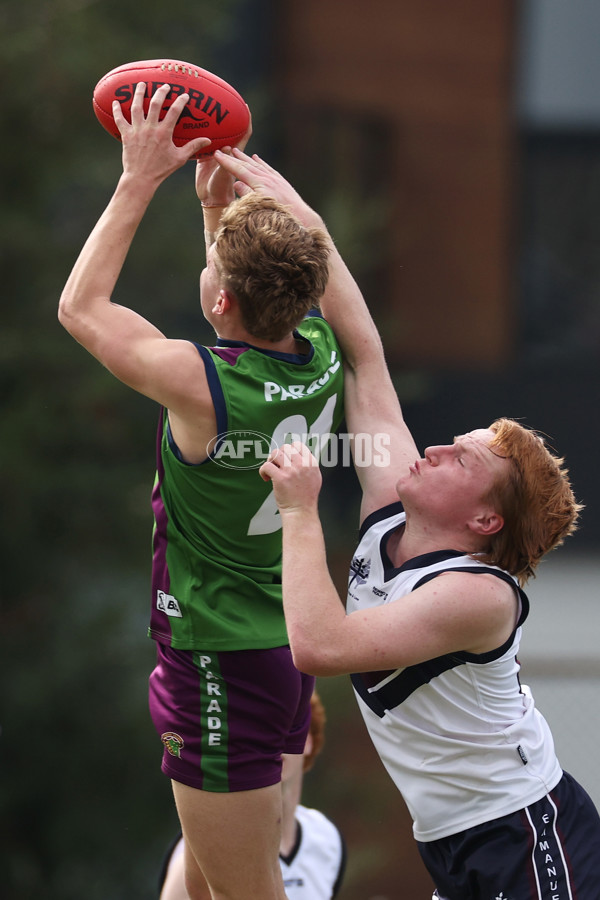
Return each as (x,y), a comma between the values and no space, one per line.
(176,377)
(190,406)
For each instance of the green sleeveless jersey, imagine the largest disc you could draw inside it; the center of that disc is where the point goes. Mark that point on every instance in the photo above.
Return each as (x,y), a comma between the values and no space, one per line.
(216,574)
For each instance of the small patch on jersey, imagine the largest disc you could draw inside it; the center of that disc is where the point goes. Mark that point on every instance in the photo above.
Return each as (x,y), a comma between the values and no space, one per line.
(168,604)
(360,568)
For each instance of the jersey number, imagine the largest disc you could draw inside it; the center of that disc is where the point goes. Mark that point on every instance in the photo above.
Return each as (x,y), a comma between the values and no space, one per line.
(267,519)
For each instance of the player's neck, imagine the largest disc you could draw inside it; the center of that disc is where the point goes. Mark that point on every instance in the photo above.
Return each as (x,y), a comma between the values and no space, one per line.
(412,540)
(288,344)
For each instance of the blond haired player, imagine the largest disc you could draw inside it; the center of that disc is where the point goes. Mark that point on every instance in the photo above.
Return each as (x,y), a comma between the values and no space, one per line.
(225,697)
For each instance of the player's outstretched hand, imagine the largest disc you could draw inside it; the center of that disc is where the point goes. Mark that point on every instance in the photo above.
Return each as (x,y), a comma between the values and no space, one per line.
(148,148)
(214,184)
(296,477)
(253,174)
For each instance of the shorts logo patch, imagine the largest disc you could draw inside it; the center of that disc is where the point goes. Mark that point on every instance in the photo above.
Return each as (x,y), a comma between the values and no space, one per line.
(173,742)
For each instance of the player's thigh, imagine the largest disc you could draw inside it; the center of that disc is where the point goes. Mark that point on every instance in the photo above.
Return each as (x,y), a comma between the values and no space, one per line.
(246,824)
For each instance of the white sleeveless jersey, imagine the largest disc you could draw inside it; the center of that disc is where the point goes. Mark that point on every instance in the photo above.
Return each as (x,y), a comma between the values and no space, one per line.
(459,735)
(314,868)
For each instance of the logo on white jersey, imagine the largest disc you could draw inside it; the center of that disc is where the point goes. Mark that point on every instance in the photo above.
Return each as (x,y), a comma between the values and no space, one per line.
(360,568)
(168,604)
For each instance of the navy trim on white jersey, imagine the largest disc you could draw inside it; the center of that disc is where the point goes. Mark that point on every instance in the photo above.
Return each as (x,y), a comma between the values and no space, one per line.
(459,735)
(384,513)
(407,680)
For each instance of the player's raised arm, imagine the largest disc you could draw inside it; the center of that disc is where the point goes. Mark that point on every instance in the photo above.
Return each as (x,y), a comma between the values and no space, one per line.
(215,188)
(124,341)
(371,404)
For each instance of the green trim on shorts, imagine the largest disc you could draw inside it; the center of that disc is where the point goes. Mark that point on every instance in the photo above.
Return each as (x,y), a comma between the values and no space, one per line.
(213,716)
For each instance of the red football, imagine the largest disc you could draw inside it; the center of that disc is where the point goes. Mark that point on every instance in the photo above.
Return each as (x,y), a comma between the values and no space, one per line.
(214,110)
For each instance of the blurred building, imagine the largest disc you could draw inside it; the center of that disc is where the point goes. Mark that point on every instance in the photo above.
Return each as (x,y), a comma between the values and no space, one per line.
(411,103)
(455,151)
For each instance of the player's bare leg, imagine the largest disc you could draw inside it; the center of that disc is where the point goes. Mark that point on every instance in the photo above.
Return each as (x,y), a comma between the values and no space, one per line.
(233,841)
(173,887)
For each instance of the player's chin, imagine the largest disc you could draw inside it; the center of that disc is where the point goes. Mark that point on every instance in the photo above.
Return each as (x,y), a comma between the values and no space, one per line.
(403,485)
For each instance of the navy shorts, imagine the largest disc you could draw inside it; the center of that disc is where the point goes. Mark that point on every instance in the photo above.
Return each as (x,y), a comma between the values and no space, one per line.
(225,718)
(548,851)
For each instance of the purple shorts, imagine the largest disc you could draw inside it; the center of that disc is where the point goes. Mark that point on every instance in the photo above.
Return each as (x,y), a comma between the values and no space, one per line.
(225,718)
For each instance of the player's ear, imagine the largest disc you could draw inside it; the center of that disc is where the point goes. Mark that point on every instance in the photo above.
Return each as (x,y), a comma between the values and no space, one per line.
(486,522)
(223,303)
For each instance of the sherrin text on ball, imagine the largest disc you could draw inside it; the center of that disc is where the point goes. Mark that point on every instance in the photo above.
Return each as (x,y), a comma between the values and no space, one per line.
(214,109)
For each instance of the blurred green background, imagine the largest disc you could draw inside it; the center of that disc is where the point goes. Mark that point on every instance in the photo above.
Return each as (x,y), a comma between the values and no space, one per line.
(84,809)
